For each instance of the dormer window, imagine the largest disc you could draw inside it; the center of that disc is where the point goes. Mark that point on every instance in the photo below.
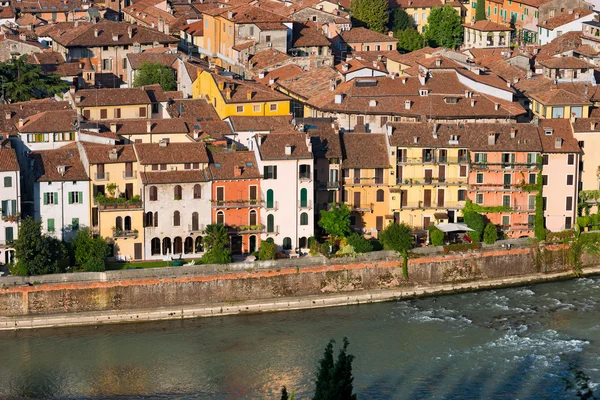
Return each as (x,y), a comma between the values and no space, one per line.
(548,131)
(423,92)
(451,100)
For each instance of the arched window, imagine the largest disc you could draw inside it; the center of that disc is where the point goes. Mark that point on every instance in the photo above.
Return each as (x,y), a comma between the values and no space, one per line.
(304,219)
(270,199)
(176,218)
(199,248)
(303,197)
(156,218)
(177,245)
(153,193)
(188,245)
(177,192)
(155,246)
(270,223)
(287,243)
(149,218)
(119,223)
(220,217)
(127,226)
(252,242)
(252,218)
(380,195)
(197,191)
(166,246)
(302,242)
(195,225)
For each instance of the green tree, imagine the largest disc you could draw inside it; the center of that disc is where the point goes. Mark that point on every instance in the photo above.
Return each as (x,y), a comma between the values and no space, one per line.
(474,220)
(490,233)
(284,394)
(22,81)
(370,13)
(37,254)
(538,222)
(216,243)
(436,236)
(480,11)
(336,221)
(267,251)
(334,378)
(155,73)
(399,20)
(409,40)
(359,243)
(444,28)
(398,237)
(89,251)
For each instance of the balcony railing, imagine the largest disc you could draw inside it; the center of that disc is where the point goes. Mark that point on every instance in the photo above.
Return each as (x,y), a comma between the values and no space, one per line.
(304,176)
(197,228)
(305,204)
(499,187)
(125,233)
(15,217)
(273,231)
(364,181)
(329,185)
(129,174)
(362,207)
(272,205)
(6,243)
(247,228)
(119,203)
(431,181)
(503,165)
(101,176)
(236,203)
(416,205)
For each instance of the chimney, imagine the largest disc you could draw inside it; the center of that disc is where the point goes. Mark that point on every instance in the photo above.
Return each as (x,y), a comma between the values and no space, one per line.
(338,98)
(221,85)
(21,122)
(271,81)
(372,103)
(96,32)
(492,139)
(473,102)
(513,132)
(22,36)
(390,33)
(72,89)
(557,143)
(404,80)
(477,71)
(407,104)
(78,99)
(592,126)
(115,37)
(229,14)
(374,64)
(130,31)
(163,143)
(161,24)
(148,126)
(261,75)
(577,15)
(508,85)
(228,93)
(529,74)
(438,62)
(344,67)
(113,127)
(249,94)
(496,106)
(237,171)
(288,149)
(570,11)
(415,139)
(7,114)
(112,155)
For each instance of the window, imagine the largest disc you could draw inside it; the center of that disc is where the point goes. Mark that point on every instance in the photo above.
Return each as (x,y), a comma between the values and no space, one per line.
(545,180)
(195,225)
(155,246)
(507,181)
(177,192)
(103,113)
(558,112)
(577,111)
(303,198)
(545,159)
(142,112)
(270,223)
(462,195)
(50,224)
(8,181)
(253,192)
(163,167)
(153,193)
(479,198)
(75,197)
(117,113)
(272,107)
(481,158)
(568,222)
(124,65)
(570,160)
(107,64)
(256,108)
(197,191)
(287,243)
(119,223)
(479,177)
(9,234)
(532,179)
(252,218)
(531,202)
(9,207)
(505,222)
(506,200)
(268,38)
(155,219)
(148,219)
(239,109)
(220,217)
(75,224)
(270,199)
(270,172)
(463,171)
(569,180)
(304,219)
(378,176)
(569,205)
(176,218)
(380,195)
(50,198)
(220,194)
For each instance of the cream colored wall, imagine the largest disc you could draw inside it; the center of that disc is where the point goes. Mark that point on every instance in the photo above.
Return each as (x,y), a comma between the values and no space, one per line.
(126,111)
(591,160)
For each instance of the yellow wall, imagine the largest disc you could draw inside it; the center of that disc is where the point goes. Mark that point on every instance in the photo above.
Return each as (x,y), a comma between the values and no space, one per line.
(423,14)
(219,34)
(127,111)
(541,112)
(157,137)
(124,247)
(367,219)
(591,160)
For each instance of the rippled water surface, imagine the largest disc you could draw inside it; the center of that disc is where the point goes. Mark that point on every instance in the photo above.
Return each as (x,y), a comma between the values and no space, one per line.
(502,344)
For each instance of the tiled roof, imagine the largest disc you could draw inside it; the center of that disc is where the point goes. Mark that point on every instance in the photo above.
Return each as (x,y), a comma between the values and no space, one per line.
(364,150)
(246,14)
(111,97)
(591,124)
(562,44)
(271,26)
(325,144)
(66,69)
(280,74)
(49,122)
(559,96)
(310,83)
(488,26)
(46,165)
(224,164)
(261,124)
(274,144)
(100,154)
(8,159)
(561,128)
(6,13)
(240,89)
(564,19)
(364,35)
(269,58)
(38,6)
(137,59)
(307,35)
(182,176)
(363,59)
(192,111)
(569,62)
(194,28)
(14,111)
(46,57)
(172,153)
(140,126)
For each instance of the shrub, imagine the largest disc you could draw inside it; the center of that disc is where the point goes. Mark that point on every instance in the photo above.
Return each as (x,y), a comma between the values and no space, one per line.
(324,249)
(359,243)
(436,236)
(461,247)
(267,251)
(490,234)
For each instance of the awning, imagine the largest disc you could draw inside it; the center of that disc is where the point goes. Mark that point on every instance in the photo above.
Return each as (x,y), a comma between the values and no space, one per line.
(454,228)
(439,216)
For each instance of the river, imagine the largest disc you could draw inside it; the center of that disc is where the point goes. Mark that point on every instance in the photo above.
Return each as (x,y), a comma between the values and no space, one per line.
(500,344)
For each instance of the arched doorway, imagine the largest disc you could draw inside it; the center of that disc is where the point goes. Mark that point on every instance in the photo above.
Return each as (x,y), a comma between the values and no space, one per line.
(188,245)
(155,246)
(199,248)
(177,245)
(166,246)
(252,244)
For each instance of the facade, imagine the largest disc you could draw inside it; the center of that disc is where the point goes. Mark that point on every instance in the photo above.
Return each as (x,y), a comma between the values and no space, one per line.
(486,34)
(419,10)
(363,39)
(104,104)
(48,130)
(587,133)
(550,29)
(10,197)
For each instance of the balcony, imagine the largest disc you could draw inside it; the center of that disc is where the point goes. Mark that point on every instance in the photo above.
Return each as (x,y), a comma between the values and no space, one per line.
(273,231)
(129,174)
(417,160)
(432,181)
(118,203)
(125,233)
(236,203)
(233,229)
(500,187)
(501,166)
(362,207)
(101,176)
(271,205)
(332,185)
(305,204)
(304,177)
(420,205)
(197,228)
(6,244)
(14,217)
(363,181)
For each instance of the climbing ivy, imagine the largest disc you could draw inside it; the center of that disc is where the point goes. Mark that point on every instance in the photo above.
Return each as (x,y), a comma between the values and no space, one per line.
(538,223)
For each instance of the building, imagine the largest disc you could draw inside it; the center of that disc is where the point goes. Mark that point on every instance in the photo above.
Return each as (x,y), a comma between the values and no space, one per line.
(236,198)
(550,29)
(48,130)
(10,197)
(287,188)
(363,39)
(105,104)
(419,10)
(587,133)
(176,190)
(136,60)
(486,34)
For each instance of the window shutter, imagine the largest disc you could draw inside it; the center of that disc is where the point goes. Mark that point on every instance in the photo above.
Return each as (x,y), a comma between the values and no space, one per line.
(4,207)
(70,197)
(55,197)
(45,198)
(13,209)
(80,197)
(266,172)
(275,172)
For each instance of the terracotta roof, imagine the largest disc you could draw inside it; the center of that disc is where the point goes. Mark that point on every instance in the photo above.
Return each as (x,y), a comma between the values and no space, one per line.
(586,50)
(29,19)
(364,150)
(182,176)
(561,128)
(6,13)
(8,159)
(271,26)
(137,59)
(192,69)
(26,109)
(363,59)
(562,44)
(280,74)
(111,97)
(488,26)
(224,164)
(243,45)
(147,13)
(100,154)
(194,28)
(308,35)
(569,62)
(269,58)
(46,57)
(83,35)
(260,124)
(558,96)
(140,126)
(49,122)
(46,165)
(240,89)
(364,35)
(565,18)
(173,153)
(591,124)
(246,14)
(192,111)
(274,144)
(38,6)
(310,83)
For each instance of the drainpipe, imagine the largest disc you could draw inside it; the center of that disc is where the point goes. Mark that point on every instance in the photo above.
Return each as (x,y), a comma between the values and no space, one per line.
(297,210)
(62,206)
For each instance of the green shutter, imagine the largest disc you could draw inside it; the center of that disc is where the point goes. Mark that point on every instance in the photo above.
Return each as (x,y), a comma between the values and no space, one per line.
(303,197)
(80,197)
(7,181)
(51,225)
(55,197)
(8,234)
(266,172)
(70,197)
(275,172)
(75,224)
(270,198)
(45,198)
(13,208)
(4,207)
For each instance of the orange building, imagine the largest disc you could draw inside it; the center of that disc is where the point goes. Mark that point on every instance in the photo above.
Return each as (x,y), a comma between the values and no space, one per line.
(236,198)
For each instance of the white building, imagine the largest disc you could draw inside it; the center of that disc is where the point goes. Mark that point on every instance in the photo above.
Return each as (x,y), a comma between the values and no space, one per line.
(10,197)
(288,188)
(176,191)
(48,130)
(572,21)
(61,192)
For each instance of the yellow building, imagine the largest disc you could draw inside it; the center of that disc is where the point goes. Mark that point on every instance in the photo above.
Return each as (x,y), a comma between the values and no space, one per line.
(150,130)
(116,209)
(559,103)
(102,104)
(232,97)
(365,170)
(429,182)
(419,10)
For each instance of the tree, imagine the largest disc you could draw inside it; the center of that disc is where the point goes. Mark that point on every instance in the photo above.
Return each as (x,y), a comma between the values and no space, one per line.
(359,243)
(284,394)
(155,73)
(538,222)
(89,251)
(474,220)
(490,234)
(336,221)
(399,20)
(267,251)
(398,237)
(37,254)
(22,81)
(480,11)
(216,243)
(444,27)
(334,379)
(409,40)
(436,236)
(370,13)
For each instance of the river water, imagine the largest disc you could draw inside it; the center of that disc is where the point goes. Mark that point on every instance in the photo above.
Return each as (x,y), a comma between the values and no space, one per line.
(501,344)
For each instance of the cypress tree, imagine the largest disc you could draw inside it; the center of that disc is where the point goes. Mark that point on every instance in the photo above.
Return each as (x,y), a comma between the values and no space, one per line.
(334,379)
(480,11)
